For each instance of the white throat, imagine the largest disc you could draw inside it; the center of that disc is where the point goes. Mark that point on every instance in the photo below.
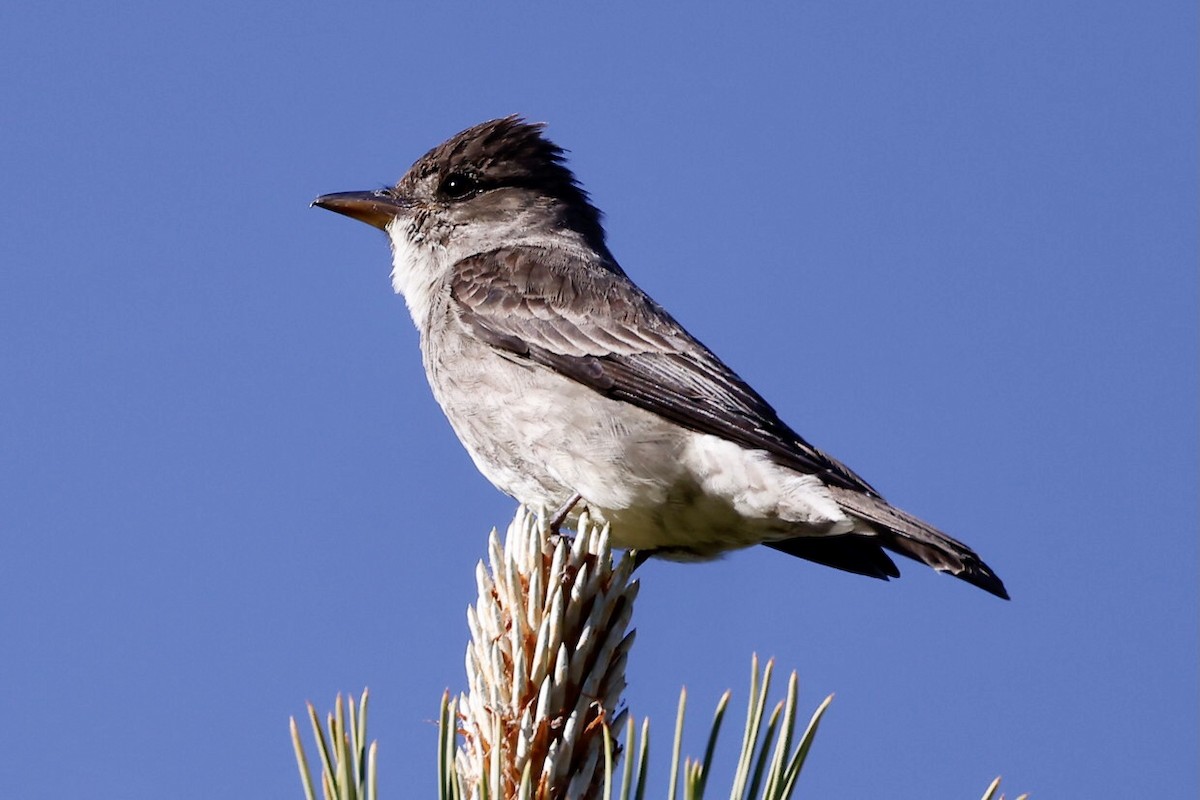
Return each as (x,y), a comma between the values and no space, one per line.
(417,271)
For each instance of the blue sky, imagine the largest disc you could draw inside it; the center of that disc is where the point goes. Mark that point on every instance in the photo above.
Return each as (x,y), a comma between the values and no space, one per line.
(953,244)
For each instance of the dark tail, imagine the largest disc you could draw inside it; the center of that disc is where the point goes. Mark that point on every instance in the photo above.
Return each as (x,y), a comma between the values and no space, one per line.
(897,531)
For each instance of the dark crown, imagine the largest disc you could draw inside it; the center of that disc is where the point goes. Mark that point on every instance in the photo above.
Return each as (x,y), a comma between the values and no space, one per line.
(513,152)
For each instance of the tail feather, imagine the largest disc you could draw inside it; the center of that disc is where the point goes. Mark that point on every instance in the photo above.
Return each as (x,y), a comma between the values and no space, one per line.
(852,552)
(909,536)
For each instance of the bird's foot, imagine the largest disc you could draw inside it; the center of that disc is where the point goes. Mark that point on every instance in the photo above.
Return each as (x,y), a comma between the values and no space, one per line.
(560,516)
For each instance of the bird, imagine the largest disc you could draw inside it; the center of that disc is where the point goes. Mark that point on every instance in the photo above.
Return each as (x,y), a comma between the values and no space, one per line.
(571,388)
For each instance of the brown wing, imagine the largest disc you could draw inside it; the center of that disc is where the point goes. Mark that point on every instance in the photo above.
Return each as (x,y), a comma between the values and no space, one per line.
(593,325)
(596,327)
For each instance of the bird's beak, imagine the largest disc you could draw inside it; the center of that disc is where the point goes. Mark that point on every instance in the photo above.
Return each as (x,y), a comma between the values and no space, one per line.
(374,208)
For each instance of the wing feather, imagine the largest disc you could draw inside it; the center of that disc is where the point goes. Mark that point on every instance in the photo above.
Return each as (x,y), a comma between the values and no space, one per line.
(595,326)
(591,324)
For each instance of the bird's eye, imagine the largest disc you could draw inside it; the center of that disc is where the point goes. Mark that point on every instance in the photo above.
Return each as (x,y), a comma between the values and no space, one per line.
(457,186)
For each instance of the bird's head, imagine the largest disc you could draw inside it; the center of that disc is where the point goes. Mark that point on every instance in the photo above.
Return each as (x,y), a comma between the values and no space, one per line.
(498,183)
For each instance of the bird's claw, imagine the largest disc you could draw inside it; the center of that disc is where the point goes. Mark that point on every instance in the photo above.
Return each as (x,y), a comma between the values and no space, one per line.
(560,516)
